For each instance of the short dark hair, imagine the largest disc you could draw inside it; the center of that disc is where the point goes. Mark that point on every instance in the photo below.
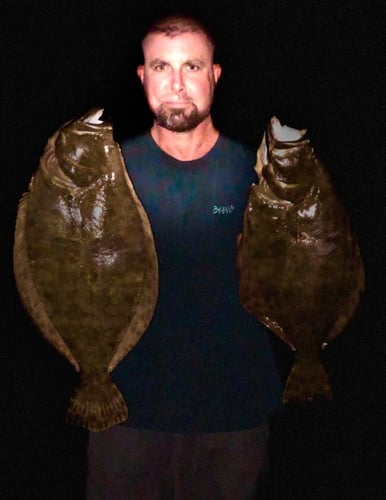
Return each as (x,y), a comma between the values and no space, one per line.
(176,24)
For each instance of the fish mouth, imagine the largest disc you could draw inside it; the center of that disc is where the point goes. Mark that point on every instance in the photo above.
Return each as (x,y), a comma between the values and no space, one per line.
(81,147)
(278,141)
(283,133)
(93,118)
(277,162)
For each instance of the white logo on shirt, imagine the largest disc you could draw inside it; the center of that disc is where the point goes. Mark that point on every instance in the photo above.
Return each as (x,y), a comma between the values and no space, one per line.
(228,209)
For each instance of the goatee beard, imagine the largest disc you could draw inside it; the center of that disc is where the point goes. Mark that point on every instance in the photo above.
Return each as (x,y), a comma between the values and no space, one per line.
(178,120)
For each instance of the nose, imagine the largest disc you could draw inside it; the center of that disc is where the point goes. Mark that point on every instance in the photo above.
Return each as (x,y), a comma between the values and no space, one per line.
(177,81)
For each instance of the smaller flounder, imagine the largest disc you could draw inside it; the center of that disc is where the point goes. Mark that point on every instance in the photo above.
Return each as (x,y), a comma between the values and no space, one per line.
(85,262)
(301,272)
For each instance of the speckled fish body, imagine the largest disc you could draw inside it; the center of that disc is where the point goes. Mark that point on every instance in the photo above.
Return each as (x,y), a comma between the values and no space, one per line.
(301,269)
(85,262)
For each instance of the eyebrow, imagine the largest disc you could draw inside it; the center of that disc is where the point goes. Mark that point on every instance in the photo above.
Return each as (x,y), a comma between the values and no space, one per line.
(157,60)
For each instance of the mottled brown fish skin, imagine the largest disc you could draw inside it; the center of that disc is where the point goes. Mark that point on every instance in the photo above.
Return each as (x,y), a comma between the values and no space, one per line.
(85,263)
(301,271)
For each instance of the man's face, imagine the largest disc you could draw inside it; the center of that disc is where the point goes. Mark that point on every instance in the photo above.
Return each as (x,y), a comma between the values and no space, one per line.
(179,79)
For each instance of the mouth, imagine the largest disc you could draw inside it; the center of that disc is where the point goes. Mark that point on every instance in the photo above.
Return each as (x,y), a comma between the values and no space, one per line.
(177,99)
(176,104)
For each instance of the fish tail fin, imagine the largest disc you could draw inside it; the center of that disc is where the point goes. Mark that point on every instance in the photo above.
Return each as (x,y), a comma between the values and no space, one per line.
(307,381)
(97,406)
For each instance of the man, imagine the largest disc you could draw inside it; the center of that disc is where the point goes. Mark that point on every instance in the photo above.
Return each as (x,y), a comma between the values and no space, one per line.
(201,383)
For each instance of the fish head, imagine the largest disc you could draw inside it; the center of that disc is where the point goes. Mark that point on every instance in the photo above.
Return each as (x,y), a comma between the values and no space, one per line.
(82,148)
(285,162)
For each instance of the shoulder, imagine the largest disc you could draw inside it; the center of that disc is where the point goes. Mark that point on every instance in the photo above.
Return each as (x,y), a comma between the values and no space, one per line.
(140,151)
(136,144)
(238,158)
(236,149)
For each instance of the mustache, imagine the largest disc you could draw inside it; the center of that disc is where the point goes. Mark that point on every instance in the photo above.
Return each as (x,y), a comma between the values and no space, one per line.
(177,98)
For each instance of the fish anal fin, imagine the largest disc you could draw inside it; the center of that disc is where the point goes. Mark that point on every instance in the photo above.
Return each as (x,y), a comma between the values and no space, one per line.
(144,310)
(277,330)
(28,293)
(351,305)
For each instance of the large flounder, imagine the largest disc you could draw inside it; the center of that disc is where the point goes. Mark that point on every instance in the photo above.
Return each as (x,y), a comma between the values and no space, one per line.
(85,262)
(301,269)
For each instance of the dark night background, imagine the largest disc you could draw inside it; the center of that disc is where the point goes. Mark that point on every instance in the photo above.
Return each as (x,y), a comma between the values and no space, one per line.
(316,65)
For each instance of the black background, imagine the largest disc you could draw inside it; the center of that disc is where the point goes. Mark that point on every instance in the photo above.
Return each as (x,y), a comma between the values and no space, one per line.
(315,65)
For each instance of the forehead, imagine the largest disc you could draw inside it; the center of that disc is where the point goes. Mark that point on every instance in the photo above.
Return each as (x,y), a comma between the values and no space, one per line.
(182,46)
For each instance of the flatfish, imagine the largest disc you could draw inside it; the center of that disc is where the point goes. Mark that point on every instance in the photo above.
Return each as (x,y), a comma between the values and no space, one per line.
(85,262)
(301,271)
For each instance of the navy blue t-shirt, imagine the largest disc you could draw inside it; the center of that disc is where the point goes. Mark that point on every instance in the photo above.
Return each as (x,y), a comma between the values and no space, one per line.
(204,364)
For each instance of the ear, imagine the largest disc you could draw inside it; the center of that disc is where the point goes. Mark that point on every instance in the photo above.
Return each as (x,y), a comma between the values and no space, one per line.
(216,71)
(140,72)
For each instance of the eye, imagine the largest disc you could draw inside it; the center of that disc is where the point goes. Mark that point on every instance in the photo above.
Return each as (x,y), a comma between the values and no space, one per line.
(160,67)
(193,67)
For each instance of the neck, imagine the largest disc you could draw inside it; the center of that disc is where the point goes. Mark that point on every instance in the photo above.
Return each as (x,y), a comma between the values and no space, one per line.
(186,146)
